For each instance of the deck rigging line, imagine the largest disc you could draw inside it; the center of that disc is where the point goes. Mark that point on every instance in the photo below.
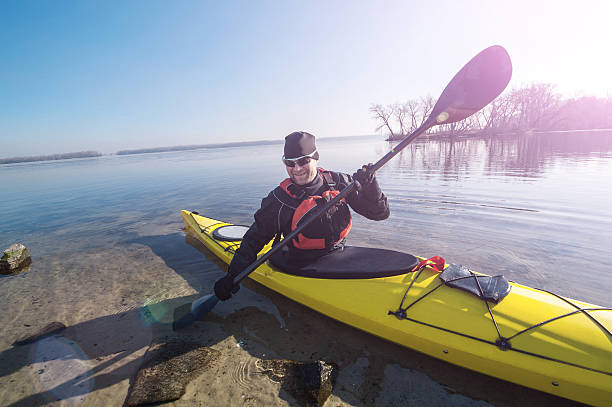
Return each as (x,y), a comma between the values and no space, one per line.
(502,343)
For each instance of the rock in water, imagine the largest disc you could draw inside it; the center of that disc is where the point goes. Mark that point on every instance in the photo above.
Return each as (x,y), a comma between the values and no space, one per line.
(50,329)
(15,258)
(166,371)
(310,383)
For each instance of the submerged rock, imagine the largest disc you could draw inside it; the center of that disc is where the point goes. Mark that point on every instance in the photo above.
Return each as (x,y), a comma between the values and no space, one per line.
(166,371)
(310,383)
(15,258)
(48,330)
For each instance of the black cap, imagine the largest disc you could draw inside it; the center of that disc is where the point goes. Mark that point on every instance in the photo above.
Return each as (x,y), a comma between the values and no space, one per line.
(299,144)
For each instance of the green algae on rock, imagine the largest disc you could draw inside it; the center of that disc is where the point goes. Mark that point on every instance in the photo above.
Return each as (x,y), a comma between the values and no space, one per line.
(14,259)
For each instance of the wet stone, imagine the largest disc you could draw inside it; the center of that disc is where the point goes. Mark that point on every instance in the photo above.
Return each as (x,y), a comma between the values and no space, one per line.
(14,259)
(167,369)
(310,383)
(48,330)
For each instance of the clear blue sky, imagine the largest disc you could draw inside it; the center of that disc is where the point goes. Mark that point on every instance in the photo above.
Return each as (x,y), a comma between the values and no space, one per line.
(109,75)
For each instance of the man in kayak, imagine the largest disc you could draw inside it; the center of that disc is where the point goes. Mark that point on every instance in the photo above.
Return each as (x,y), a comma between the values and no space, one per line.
(282,210)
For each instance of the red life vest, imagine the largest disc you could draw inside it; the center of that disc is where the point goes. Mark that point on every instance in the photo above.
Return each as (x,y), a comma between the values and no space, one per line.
(311,239)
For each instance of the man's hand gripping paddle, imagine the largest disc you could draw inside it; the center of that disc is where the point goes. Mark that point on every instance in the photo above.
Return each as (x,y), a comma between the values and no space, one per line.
(480,81)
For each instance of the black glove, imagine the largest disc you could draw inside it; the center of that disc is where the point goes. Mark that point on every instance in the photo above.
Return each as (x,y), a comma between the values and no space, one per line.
(332,223)
(224,288)
(367,183)
(329,214)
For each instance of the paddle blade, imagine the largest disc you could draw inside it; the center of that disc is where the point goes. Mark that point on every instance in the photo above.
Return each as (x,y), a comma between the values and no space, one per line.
(183,322)
(479,82)
(199,308)
(203,305)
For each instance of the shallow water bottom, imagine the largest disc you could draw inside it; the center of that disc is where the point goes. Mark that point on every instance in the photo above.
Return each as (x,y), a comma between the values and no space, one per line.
(118,298)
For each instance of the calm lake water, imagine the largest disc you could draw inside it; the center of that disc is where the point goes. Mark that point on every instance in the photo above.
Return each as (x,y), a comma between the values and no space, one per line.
(110,259)
(536,208)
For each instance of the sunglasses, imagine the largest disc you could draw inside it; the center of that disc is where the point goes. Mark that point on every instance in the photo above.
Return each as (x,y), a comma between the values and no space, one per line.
(301,161)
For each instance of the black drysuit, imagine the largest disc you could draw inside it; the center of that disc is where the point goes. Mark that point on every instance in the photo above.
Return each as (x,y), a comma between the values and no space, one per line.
(276,214)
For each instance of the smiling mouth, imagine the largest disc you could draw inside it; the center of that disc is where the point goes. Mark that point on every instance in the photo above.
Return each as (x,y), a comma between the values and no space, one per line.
(300,177)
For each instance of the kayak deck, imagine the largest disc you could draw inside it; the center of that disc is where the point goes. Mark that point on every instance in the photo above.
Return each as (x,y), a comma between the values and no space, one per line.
(531,337)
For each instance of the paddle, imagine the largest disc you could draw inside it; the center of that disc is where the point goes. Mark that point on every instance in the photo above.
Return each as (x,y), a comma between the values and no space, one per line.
(480,81)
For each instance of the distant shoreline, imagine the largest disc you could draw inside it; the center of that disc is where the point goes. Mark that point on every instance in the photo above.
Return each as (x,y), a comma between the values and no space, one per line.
(51,157)
(195,147)
(90,154)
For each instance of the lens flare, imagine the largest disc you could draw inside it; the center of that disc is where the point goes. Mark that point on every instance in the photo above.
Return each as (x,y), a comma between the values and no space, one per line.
(153,310)
(61,370)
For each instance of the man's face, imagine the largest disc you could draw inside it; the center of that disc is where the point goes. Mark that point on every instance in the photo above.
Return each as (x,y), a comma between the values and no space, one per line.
(303,174)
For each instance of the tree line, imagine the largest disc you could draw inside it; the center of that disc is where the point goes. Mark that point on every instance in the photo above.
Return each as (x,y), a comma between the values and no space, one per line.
(536,107)
(51,157)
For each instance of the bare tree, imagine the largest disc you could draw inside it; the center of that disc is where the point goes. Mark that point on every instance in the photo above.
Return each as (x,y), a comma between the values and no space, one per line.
(535,106)
(407,116)
(382,114)
(400,112)
(426,105)
(413,109)
(584,113)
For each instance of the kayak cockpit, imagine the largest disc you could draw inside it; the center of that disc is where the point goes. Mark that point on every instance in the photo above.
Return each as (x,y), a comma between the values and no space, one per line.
(351,262)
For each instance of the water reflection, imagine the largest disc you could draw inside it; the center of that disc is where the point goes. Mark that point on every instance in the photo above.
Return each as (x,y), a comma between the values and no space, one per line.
(517,155)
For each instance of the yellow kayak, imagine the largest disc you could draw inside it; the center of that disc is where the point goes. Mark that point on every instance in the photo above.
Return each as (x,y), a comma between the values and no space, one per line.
(526,336)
